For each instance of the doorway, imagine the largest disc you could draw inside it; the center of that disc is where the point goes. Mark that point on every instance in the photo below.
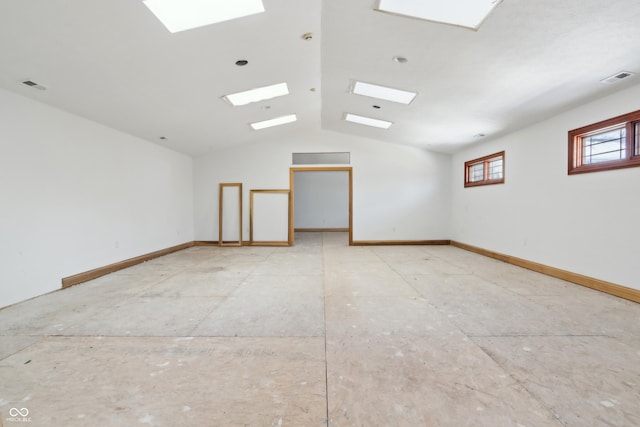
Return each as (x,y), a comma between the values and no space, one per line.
(308,185)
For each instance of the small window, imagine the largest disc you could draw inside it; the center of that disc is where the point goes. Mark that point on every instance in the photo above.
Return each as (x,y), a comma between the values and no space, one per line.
(341,158)
(485,170)
(610,144)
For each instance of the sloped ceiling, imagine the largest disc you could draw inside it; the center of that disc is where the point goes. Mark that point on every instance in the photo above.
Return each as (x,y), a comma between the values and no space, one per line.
(113,62)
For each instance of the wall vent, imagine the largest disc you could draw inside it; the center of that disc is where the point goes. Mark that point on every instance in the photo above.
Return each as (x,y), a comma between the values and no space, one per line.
(343,158)
(34,85)
(617,77)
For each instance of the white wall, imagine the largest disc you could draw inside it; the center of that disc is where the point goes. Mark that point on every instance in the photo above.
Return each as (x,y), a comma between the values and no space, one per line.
(321,199)
(76,195)
(399,192)
(586,224)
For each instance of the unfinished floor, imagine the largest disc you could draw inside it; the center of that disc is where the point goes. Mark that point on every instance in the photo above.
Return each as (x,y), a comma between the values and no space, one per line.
(322,333)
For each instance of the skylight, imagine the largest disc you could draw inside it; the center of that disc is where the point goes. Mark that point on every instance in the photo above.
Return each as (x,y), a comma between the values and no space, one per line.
(463,13)
(256,95)
(274,122)
(382,92)
(383,124)
(181,15)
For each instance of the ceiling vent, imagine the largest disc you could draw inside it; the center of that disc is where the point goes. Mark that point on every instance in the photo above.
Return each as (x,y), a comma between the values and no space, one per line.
(34,85)
(617,77)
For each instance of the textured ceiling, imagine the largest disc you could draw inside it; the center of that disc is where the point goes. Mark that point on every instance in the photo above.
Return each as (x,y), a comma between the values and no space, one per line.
(113,62)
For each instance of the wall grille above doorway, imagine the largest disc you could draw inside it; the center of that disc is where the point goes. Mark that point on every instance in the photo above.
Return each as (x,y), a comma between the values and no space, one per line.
(338,158)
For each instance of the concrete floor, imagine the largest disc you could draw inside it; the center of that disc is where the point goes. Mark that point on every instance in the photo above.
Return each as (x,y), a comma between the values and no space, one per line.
(322,333)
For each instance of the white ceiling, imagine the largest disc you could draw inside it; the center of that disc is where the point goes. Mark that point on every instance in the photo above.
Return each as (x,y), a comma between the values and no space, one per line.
(113,62)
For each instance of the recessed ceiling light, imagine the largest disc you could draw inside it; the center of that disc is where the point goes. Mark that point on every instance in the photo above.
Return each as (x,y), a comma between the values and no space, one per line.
(383,124)
(383,92)
(273,122)
(187,14)
(463,13)
(256,95)
(377,107)
(400,59)
(241,62)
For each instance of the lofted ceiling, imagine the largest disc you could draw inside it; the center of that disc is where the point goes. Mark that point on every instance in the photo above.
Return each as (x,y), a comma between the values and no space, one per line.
(113,62)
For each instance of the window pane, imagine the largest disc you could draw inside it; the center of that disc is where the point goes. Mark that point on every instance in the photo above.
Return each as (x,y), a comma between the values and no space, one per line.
(495,168)
(487,170)
(476,172)
(610,144)
(604,146)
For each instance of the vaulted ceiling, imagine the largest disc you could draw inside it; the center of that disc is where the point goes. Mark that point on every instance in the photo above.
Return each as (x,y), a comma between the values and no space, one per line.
(113,62)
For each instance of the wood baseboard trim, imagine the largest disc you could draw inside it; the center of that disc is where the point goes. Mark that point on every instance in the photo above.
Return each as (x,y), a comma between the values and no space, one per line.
(399,242)
(205,243)
(265,243)
(101,271)
(321,230)
(579,279)
(216,243)
(225,245)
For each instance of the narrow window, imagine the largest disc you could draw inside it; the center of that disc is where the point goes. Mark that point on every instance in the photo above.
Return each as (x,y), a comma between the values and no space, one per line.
(485,170)
(604,146)
(610,144)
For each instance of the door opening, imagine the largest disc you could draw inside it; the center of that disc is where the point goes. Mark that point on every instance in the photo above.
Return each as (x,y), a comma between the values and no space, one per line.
(325,210)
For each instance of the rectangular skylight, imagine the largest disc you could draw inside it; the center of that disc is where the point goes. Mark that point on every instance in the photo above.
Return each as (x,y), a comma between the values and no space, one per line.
(181,15)
(383,124)
(382,92)
(464,13)
(274,122)
(256,95)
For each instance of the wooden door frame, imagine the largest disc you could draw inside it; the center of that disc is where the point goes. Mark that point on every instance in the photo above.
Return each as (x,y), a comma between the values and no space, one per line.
(293,170)
(221,187)
(269,243)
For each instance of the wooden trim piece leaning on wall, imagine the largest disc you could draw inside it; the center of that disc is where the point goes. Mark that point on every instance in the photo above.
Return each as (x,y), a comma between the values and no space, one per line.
(590,282)
(287,242)
(101,271)
(221,186)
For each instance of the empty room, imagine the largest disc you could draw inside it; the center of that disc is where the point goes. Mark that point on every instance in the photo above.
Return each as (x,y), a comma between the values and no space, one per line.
(319,213)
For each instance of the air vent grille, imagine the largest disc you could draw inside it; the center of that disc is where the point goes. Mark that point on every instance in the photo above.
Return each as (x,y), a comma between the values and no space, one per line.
(33,84)
(617,77)
(341,158)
